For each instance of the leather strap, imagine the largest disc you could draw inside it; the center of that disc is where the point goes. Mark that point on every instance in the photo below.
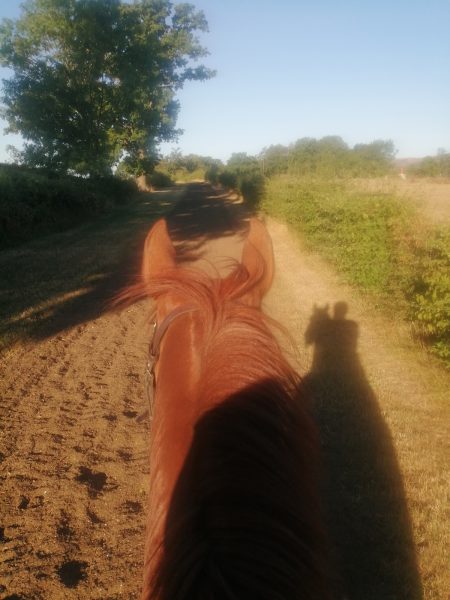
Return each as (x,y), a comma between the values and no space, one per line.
(153,355)
(161,329)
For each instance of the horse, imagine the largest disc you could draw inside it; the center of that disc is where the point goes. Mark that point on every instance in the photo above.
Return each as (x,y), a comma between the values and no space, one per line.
(233,509)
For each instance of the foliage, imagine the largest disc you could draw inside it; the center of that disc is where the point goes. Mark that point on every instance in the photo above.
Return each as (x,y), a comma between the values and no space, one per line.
(228,179)
(252,186)
(212,174)
(369,237)
(328,157)
(95,80)
(159,179)
(432,166)
(242,173)
(429,291)
(354,230)
(189,167)
(34,202)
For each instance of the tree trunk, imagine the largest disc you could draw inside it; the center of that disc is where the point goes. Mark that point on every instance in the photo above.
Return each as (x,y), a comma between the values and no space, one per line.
(143,183)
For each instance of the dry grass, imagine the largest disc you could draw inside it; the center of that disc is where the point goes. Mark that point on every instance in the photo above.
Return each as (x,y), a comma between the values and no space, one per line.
(430,197)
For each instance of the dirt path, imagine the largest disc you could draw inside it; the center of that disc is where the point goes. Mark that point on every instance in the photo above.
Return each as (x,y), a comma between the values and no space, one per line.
(73,455)
(75,463)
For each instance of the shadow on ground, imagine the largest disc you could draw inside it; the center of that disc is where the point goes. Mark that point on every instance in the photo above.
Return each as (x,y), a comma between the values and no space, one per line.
(364,494)
(67,279)
(202,215)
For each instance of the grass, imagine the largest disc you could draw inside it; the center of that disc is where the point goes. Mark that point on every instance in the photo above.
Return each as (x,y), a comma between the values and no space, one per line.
(353,230)
(379,244)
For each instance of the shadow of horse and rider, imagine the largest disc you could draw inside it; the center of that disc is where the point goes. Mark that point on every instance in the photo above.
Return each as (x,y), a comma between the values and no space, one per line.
(363,494)
(364,497)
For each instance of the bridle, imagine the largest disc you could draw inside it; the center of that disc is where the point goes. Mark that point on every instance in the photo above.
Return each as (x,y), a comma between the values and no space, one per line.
(156,337)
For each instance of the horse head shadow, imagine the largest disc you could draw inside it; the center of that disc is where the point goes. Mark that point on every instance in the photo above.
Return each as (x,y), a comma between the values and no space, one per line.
(364,494)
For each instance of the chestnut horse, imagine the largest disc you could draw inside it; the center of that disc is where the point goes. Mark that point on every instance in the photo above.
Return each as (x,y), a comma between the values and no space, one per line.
(233,509)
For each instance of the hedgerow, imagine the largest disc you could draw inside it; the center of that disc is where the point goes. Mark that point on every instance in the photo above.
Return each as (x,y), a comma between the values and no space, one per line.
(35,202)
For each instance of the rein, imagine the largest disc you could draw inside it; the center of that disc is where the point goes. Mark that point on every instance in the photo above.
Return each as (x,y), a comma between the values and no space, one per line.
(153,353)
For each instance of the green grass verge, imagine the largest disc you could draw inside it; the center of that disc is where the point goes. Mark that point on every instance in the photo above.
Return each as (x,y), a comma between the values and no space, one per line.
(378,243)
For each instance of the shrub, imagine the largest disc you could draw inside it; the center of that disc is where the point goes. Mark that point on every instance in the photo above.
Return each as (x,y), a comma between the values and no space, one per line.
(212,174)
(429,292)
(228,179)
(355,231)
(158,179)
(252,189)
(34,202)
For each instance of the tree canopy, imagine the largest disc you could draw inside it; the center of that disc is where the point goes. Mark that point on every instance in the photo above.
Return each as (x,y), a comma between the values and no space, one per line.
(95,81)
(433,166)
(329,157)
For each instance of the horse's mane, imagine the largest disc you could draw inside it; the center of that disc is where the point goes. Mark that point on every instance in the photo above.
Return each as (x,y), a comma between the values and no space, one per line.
(244,518)
(239,341)
(243,521)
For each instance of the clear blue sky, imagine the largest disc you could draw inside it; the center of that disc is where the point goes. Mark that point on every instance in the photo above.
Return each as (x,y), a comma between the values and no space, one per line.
(286,69)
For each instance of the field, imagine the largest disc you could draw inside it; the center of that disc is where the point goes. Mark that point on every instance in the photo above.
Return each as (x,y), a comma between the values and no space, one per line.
(430,197)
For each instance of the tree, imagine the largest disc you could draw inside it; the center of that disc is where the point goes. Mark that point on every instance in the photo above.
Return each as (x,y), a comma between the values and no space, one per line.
(95,80)
(274,159)
(373,159)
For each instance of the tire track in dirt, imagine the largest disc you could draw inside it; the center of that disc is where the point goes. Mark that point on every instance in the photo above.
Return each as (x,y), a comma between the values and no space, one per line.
(75,457)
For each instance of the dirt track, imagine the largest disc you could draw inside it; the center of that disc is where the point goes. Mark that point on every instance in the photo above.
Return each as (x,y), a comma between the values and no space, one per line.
(73,455)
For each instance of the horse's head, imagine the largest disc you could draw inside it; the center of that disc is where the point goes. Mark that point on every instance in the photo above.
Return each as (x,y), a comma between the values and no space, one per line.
(159,260)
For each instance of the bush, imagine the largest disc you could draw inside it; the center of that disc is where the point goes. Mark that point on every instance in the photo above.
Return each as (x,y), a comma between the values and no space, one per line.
(212,174)
(429,292)
(356,231)
(34,202)
(432,166)
(158,179)
(252,188)
(228,179)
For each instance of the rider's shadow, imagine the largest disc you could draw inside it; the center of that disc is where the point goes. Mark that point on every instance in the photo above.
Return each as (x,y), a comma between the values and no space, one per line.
(364,495)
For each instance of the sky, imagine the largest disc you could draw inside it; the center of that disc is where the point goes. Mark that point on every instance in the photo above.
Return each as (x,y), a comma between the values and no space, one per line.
(286,69)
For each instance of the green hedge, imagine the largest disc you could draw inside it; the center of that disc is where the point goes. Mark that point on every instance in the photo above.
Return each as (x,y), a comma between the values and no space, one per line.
(250,184)
(34,202)
(161,180)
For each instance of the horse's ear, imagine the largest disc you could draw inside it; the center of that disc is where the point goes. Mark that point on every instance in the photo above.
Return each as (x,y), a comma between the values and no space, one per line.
(159,252)
(257,258)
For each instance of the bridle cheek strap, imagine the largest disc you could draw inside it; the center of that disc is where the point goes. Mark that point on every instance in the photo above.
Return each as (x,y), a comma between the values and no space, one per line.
(154,347)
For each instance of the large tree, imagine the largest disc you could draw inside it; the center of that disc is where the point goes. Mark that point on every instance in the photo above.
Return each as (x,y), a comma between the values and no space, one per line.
(95,81)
